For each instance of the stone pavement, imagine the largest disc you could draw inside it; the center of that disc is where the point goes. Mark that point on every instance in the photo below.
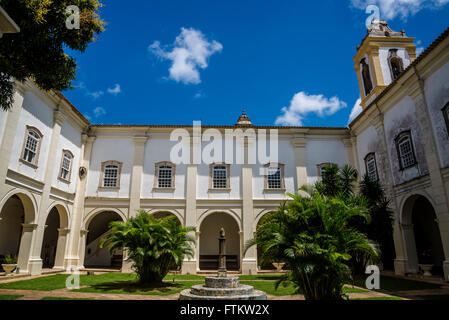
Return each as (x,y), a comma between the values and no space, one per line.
(65,293)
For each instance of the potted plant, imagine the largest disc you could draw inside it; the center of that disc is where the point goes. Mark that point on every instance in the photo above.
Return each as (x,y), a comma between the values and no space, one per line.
(426,262)
(279,266)
(10,263)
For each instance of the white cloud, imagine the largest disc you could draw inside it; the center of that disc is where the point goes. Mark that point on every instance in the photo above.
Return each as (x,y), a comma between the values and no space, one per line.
(99,111)
(96,94)
(356,110)
(116,90)
(199,95)
(390,9)
(303,104)
(190,53)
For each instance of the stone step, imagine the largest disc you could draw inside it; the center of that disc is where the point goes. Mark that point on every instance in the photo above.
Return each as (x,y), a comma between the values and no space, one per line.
(219,282)
(202,290)
(255,295)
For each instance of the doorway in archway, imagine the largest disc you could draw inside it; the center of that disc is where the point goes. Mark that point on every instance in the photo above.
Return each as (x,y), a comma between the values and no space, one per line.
(209,234)
(12,217)
(96,257)
(50,241)
(429,248)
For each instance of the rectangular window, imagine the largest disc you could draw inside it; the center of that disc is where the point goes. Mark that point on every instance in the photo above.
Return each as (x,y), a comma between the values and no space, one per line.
(110,176)
(371,167)
(446,116)
(31,146)
(220,177)
(65,166)
(165,176)
(274,178)
(406,152)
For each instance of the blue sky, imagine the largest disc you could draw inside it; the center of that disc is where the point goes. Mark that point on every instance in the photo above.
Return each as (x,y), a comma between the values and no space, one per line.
(235,54)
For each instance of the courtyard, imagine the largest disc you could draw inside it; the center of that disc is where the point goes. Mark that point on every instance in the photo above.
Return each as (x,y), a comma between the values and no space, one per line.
(120,286)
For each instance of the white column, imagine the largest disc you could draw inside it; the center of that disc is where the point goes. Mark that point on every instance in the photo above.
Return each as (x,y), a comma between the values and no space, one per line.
(82,247)
(349,147)
(35,264)
(26,241)
(135,191)
(191,266)
(136,177)
(299,144)
(438,188)
(400,263)
(249,261)
(10,131)
(61,249)
(76,245)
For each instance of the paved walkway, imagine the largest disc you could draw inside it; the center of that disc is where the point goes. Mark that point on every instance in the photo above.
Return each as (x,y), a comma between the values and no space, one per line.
(65,293)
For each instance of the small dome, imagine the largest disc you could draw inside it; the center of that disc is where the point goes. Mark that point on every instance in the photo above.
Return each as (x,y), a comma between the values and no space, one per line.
(381,29)
(244,120)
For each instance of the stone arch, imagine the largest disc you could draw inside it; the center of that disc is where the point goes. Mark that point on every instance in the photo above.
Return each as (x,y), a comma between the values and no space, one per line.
(169,211)
(257,220)
(421,233)
(17,226)
(28,201)
(55,236)
(92,214)
(64,213)
(96,226)
(210,224)
(260,215)
(407,204)
(232,213)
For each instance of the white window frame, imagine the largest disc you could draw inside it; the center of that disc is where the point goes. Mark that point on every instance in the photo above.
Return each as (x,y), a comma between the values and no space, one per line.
(109,165)
(270,170)
(163,185)
(31,146)
(371,166)
(215,181)
(66,155)
(407,158)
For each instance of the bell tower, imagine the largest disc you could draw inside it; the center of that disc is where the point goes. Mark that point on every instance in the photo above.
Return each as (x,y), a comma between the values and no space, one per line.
(381,58)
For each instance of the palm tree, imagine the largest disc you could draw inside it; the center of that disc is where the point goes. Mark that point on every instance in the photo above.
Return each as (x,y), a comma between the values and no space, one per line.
(313,236)
(337,181)
(381,227)
(155,246)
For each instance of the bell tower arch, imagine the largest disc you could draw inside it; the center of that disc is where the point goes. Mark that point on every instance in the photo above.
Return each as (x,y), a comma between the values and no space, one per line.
(381,58)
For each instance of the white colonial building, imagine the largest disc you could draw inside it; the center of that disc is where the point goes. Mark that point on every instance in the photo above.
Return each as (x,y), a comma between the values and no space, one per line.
(62,180)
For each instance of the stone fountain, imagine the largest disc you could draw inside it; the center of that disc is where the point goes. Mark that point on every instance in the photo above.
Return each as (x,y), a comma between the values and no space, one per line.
(222,287)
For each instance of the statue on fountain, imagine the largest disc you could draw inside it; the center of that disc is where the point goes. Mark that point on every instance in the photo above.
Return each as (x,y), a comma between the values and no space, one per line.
(222,287)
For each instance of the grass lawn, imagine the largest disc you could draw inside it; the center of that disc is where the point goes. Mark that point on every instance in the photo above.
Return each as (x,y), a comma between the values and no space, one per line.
(9,297)
(130,287)
(57,281)
(269,287)
(170,277)
(119,283)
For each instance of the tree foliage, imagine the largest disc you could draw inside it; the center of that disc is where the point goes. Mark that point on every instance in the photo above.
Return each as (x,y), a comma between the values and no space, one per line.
(37,51)
(313,235)
(381,227)
(155,246)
